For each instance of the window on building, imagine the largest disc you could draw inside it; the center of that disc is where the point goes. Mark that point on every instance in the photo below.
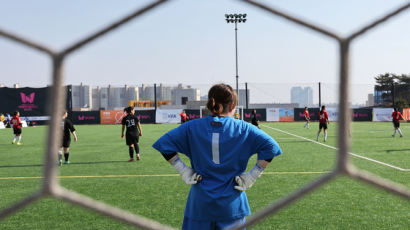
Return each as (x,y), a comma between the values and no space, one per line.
(184,100)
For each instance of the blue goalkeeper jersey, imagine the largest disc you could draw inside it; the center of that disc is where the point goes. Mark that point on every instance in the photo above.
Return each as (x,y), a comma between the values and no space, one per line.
(219,149)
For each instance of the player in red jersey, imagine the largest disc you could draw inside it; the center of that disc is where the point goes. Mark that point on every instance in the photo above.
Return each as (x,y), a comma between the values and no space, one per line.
(184,116)
(323,121)
(16,123)
(307,117)
(396,122)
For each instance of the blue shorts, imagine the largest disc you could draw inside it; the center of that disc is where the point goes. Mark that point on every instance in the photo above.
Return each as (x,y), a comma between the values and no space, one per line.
(190,224)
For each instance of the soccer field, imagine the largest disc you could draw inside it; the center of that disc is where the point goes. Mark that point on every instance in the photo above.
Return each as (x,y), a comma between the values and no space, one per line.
(151,188)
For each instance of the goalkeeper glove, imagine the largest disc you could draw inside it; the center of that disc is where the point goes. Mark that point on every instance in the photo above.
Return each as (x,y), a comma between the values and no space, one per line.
(188,175)
(246,180)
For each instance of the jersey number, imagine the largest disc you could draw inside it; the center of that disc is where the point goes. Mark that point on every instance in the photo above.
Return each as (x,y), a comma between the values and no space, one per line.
(130,123)
(215,148)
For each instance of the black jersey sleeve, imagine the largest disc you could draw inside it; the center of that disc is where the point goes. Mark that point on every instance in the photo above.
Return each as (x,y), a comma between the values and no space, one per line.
(136,119)
(123,122)
(70,125)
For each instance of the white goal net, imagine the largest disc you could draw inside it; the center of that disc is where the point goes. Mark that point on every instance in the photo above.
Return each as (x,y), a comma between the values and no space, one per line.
(203,112)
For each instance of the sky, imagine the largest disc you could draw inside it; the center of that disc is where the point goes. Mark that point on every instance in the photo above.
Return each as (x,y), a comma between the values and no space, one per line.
(189,42)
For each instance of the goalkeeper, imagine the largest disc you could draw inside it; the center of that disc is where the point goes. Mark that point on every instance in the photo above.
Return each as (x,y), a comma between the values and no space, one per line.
(219,148)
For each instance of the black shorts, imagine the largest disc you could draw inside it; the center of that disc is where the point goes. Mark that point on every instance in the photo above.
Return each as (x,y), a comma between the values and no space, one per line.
(131,139)
(396,124)
(66,142)
(17,131)
(322,125)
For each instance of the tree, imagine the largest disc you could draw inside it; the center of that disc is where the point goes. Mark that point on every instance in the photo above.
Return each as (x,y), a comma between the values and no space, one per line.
(385,84)
(394,89)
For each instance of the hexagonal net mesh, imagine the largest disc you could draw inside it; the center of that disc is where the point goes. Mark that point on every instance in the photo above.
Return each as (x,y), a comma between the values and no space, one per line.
(52,188)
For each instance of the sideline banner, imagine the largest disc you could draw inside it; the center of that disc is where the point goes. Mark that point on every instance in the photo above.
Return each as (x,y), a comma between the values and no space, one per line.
(168,116)
(85,117)
(193,113)
(333,113)
(362,114)
(299,114)
(382,114)
(28,101)
(272,114)
(36,120)
(145,116)
(111,116)
(286,114)
(260,114)
(406,113)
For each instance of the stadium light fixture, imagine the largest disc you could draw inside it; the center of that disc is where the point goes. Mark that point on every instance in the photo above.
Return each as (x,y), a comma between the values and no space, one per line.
(236,18)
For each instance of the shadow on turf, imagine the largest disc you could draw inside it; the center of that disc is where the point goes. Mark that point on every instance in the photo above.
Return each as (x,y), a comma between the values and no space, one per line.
(75,163)
(396,150)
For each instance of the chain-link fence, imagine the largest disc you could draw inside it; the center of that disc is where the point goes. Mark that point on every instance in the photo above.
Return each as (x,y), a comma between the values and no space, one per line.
(51,186)
(192,96)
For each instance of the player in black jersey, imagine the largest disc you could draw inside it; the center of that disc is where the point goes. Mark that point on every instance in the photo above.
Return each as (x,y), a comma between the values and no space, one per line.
(67,128)
(133,132)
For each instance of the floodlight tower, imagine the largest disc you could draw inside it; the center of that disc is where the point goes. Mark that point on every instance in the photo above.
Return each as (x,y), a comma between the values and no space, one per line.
(236,18)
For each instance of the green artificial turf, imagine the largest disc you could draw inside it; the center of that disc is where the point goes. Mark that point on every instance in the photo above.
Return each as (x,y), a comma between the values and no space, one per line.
(151,188)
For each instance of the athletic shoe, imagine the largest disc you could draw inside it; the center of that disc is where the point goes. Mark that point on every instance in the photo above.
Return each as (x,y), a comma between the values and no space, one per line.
(138,157)
(66,162)
(13,142)
(401,136)
(60,162)
(392,135)
(131,160)
(18,143)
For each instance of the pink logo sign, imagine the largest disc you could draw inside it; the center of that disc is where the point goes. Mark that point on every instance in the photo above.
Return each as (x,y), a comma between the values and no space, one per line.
(27,99)
(143,117)
(27,102)
(82,118)
(193,116)
(249,115)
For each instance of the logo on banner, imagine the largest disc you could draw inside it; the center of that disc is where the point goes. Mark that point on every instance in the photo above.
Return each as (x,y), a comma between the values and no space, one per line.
(355,115)
(84,118)
(119,116)
(27,101)
(194,116)
(249,115)
(142,117)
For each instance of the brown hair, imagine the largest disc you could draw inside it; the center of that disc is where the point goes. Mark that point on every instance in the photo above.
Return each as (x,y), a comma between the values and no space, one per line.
(220,97)
(128,109)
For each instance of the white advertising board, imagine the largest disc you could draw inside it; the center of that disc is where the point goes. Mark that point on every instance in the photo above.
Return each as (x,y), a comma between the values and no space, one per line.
(272,114)
(382,114)
(333,113)
(168,116)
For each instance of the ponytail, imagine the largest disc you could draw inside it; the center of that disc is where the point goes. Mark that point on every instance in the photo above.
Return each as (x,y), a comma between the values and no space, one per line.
(220,97)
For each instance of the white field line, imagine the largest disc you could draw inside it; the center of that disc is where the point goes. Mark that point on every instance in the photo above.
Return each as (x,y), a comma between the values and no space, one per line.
(331,147)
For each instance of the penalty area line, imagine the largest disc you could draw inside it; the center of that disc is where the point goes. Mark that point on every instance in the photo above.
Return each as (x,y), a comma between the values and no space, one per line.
(147,175)
(331,147)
